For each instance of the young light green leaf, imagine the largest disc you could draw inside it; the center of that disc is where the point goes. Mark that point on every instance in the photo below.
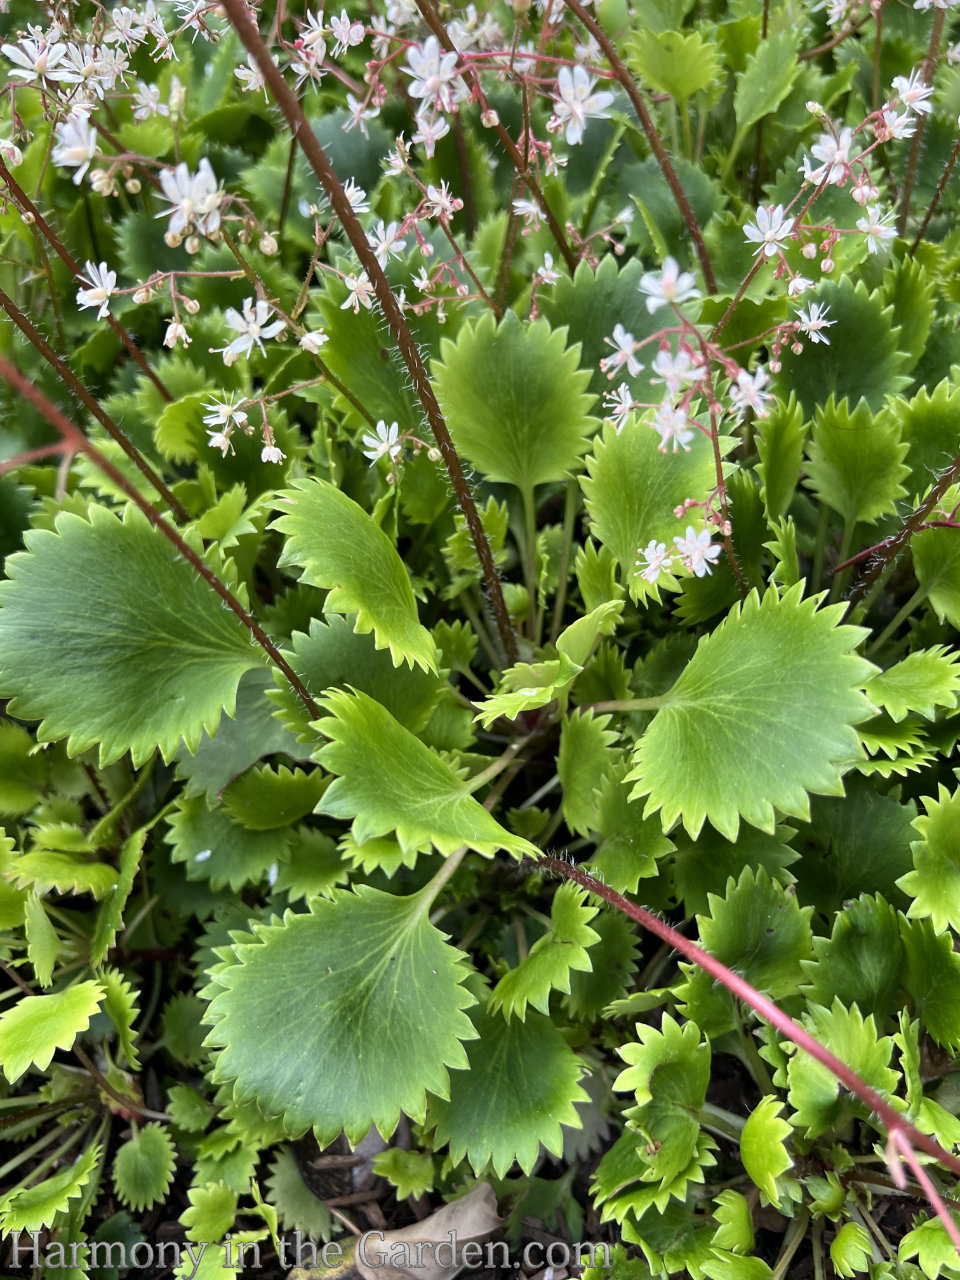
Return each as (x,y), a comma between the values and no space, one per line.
(934,883)
(780,690)
(780,438)
(586,755)
(515,400)
(31,1208)
(339,547)
(36,1026)
(43,942)
(520,1088)
(103,662)
(763,1147)
(548,966)
(922,681)
(143,1167)
(767,80)
(674,63)
(410,1172)
(110,912)
(855,461)
(390,782)
(376,998)
(631,492)
(120,1004)
(526,686)
(212,1212)
(850,1249)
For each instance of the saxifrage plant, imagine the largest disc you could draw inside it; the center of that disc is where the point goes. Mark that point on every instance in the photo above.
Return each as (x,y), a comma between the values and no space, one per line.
(438,441)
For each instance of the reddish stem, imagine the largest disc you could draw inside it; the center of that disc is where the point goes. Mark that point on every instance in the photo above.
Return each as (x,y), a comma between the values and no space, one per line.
(653,138)
(288,103)
(892,1120)
(74,438)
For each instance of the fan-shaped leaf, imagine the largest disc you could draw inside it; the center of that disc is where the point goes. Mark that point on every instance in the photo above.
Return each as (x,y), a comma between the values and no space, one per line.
(774,691)
(143,1167)
(30,1208)
(515,401)
(101,661)
(934,883)
(36,1026)
(548,966)
(520,1088)
(855,461)
(374,994)
(390,782)
(340,548)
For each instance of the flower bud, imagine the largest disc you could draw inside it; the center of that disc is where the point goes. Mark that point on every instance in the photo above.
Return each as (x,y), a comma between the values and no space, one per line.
(172,239)
(809,250)
(268,244)
(489,118)
(192,244)
(191,306)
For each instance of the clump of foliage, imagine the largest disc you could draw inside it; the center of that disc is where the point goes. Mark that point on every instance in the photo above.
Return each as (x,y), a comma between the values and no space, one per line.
(438,440)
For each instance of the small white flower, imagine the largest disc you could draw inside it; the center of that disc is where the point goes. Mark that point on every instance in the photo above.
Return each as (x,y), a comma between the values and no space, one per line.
(312,31)
(346,33)
(76,145)
(226,412)
(545,274)
(432,72)
(876,227)
(697,550)
(103,282)
(529,211)
(771,231)
(146,102)
(798,285)
(251,327)
(834,152)
(314,340)
(671,426)
(195,198)
(220,440)
(890,127)
(35,59)
(386,243)
(671,286)
(748,393)
(813,321)
(251,77)
(176,332)
(10,153)
(676,371)
(620,404)
(440,203)
(914,94)
(270,453)
(429,133)
(357,197)
(360,113)
(624,345)
(654,559)
(576,102)
(385,442)
(359,293)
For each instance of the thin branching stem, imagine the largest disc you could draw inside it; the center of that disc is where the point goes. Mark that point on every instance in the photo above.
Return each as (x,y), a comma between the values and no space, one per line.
(622,73)
(74,437)
(891,1119)
(290,106)
(929,68)
(29,330)
(27,206)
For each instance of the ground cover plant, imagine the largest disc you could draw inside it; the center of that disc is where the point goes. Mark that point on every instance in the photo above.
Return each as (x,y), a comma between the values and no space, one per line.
(466,473)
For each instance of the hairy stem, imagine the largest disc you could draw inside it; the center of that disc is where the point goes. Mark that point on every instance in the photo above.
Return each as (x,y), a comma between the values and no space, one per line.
(67,375)
(293,112)
(620,70)
(26,205)
(941,187)
(891,1119)
(929,67)
(73,436)
(432,20)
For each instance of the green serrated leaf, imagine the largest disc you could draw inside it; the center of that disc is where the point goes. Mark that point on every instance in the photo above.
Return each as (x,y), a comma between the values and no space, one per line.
(584,759)
(780,689)
(520,1088)
(934,883)
(763,1147)
(36,1026)
(548,966)
(515,400)
(861,960)
(768,78)
(855,461)
(680,64)
(143,1168)
(338,547)
(526,686)
(43,943)
(110,912)
(922,681)
(298,1209)
(389,781)
(354,975)
(120,1003)
(217,849)
(188,1110)
(212,1212)
(780,440)
(631,493)
(819,1100)
(410,1172)
(31,1208)
(102,662)
(266,798)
